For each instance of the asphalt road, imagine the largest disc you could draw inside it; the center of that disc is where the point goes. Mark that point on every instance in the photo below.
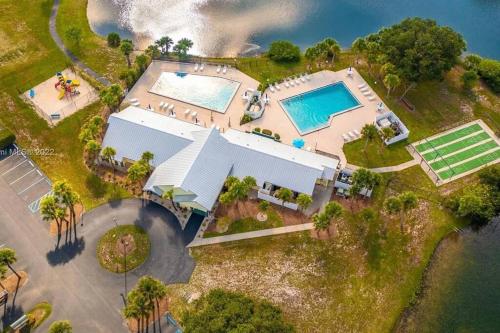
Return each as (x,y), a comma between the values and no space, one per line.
(70,278)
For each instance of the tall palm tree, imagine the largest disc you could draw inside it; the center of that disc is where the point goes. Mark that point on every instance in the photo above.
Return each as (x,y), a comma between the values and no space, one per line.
(284,194)
(369,133)
(358,47)
(393,206)
(3,272)
(153,290)
(126,47)
(132,311)
(391,81)
(8,258)
(304,201)
(69,198)
(321,222)
(169,195)
(109,153)
(164,43)
(93,148)
(182,47)
(52,211)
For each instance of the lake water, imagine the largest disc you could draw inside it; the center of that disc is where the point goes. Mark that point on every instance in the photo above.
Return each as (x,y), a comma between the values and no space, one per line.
(462,286)
(230,27)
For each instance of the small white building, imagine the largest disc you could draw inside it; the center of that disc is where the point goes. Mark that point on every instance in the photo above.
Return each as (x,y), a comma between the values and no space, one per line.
(195,161)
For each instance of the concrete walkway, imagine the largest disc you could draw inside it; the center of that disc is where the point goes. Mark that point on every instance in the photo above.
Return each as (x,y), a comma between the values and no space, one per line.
(60,45)
(393,168)
(251,234)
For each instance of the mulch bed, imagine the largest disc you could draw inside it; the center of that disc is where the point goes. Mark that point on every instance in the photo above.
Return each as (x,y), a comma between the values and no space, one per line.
(11,282)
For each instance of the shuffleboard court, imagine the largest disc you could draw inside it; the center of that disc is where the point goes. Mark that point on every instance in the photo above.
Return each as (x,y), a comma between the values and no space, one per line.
(457,152)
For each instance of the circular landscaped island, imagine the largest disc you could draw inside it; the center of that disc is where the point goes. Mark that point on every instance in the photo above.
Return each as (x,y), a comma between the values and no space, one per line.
(123,248)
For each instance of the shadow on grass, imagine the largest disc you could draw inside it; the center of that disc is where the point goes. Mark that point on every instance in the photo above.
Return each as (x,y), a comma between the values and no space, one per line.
(66,252)
(96,186)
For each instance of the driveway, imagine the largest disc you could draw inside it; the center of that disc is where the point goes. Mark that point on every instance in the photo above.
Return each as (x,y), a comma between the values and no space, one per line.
(70,278)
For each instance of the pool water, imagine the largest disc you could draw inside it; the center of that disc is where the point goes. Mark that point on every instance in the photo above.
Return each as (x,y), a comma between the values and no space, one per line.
(311,111)
(209,92)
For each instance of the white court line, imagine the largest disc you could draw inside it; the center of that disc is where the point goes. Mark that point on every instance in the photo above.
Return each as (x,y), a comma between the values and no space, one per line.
(27,188)
(6,172)
(27,173)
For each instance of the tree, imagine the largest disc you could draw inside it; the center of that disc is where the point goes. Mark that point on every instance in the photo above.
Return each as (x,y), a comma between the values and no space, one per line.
(283,51)
(387,133)
(263,206)
(304,201)
(93,148)
(108,154)
(331,48)
(169,195)
(333,210)
(469,79)
(391,81)
(393,206)
(153,290)
(126,47)
(146,159)
(60,326)
(321,222)
(224,311)
(153,52)
(311,54)
(111,96)
(74,34)
(284,194)
(3,272)
(164,44)
(139,306)
(137,171)
(114,39)
(236,189)
(476,204)
(51,210)
(363,179)
(472,61)
(182,47)
(141,61)
(68,197)
(369,133)
(489,70)
(358,47)
(8,258)
(409,201)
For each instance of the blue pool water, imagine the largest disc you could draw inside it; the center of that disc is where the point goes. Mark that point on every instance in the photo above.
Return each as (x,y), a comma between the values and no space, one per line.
(208,92)
(311,110)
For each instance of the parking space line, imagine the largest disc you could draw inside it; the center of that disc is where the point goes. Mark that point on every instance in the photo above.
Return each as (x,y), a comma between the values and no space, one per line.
(5,159)
(18,179)
(27,188)
(3,174)
(31,163)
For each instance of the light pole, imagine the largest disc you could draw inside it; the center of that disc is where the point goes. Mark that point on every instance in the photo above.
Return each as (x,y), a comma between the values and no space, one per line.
(124,244)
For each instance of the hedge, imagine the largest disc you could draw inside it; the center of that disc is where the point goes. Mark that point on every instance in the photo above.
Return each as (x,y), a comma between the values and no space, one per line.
(6,138)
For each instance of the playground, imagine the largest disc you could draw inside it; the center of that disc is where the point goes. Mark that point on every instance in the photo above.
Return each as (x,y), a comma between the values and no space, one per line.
(60,96)
(458,152)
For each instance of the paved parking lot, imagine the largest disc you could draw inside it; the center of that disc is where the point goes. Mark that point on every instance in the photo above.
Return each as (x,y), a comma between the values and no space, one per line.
(25,179)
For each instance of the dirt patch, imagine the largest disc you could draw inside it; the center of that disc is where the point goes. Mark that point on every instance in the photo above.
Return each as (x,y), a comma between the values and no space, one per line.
(125,244)
(11,283)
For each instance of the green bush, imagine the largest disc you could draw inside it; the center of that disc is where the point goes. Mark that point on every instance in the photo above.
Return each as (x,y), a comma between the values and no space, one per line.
(489,70)
(277,136)
(6,138)
(284,51)
(114,39)
(245,119)
(469,79)
(256,129)
(267,132)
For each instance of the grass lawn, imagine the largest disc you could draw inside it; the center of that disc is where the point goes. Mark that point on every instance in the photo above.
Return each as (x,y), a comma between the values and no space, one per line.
(39,314)
(129,240)
(93,49)
(28,57)
(376,154)
(248,224)
(358,281)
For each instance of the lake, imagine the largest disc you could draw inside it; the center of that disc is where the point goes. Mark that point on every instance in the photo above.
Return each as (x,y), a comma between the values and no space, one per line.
(231,27)
(462,286)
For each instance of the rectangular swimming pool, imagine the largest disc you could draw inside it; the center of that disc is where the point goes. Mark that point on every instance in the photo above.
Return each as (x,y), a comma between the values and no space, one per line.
(210,92)
(312,110)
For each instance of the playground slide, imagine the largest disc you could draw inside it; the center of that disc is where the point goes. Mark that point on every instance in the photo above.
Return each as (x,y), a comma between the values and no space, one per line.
(61,94)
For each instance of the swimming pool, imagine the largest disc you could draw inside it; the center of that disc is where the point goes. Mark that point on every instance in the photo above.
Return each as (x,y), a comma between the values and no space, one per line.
(209,92)
(311,110)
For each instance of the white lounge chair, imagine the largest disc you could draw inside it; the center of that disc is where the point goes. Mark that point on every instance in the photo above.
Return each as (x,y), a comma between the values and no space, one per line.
(224,70)
(277,86)
(271,88)
(187,112)
(218,69)
(303,79)
(361,85)
(217,128)
(195,67)
(346,137)
(202,66)
(292,83)
(194,114)
(371,98)
(171,108)
(286,84)
(297,81)
(367,93)
(213,126)
(352,135)
(135,103)
(357,132)
(161,105)
(133,100)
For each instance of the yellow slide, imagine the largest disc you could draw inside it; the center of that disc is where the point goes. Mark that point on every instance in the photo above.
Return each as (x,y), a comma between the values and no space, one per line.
(61,94)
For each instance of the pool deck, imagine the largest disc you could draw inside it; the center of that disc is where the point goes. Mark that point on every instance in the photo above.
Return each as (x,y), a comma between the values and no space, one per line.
(327,140)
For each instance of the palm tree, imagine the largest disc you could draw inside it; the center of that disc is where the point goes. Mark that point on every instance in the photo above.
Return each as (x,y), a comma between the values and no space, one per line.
(304,201)
(311,54)
(409,202)
(169,195)
(182,47)
(137,171)
(153,290)
(60,326)
(109,153)
(358,47)
(93,148)
(391,81)
(111,96)
(393,206)
(131,311)
(164,44)
(146,158)
(369,133)
(333,210)
(153,52)
(69,198)
(141,306)
(8,258)
(321,222)
(3,272)
(52,211)
(126,47)
(284,194)
(387,133)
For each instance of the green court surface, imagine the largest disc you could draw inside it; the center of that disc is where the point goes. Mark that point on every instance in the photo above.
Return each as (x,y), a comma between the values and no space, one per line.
(466,154)
(435,153)
(441,140)
(470,165)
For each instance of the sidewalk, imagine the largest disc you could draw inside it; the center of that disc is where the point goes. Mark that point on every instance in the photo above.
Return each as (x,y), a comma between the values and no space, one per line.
(251,234)
(392,168)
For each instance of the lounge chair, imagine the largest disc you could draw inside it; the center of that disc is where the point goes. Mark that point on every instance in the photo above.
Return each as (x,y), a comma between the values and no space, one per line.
(187,112)
(161,105)
(302,78)
(165,107)
(194,114)
(218,69)
(361,85)
(213,126)
(271,88)
(371,98)
(195,67)
(224,70)
(171,107)
(367,93)
(308,77)
(135,103)
(357,132)
(292,83)
(202,66)
(297,81)
(286,84)
(277,86)
(133,100)
(364,89)
(346,137)
(352,135)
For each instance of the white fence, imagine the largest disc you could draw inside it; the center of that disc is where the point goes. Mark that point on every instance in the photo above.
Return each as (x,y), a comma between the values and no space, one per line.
(277,201)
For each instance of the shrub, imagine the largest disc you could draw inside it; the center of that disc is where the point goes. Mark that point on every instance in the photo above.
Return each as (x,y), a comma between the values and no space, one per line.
(489,70)
(6,138)
(469,78)
(277,136)
(256,129)
(245,119)
(284,51)
(114,39)
(267,132)
(472,62)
